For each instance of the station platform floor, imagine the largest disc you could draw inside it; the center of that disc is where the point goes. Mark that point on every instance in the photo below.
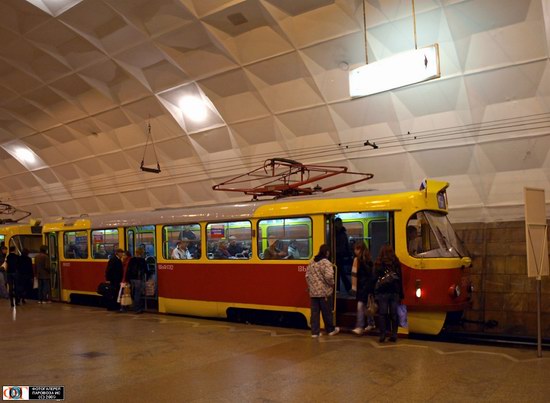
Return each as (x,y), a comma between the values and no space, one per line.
(101,356)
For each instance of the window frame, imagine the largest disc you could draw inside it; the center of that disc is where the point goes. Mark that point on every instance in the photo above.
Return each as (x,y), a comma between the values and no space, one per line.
(65,244)
(229,231)
(284,239)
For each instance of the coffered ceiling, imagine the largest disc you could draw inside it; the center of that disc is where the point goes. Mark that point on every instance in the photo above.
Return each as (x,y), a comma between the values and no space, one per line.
(81,80)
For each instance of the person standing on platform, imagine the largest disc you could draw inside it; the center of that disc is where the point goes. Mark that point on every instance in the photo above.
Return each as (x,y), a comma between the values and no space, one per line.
(343,254)
(388,291)
(12,261)
(3,272)
(320,284)
(114,275)
(136,276)
(42,273)
(126,257)
(25,275)
(362,280)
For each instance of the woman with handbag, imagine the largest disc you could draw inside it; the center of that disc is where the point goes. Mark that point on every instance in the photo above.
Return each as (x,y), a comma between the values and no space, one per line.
(388,291)
(320,283)
(362,284)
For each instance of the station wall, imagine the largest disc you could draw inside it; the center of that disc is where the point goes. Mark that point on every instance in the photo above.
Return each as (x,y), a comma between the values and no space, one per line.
(502,290)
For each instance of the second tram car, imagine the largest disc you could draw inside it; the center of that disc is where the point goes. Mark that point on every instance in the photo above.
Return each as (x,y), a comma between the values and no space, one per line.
(233,271)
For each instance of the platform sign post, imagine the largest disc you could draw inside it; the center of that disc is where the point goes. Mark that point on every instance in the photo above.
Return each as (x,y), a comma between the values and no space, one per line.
(536,231)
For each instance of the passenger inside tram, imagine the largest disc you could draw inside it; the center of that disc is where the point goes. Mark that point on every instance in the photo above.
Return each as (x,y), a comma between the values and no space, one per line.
(101,252)
(273,251)
(222,252)
(234,247)
(292,250)
(181,251)
(414,241)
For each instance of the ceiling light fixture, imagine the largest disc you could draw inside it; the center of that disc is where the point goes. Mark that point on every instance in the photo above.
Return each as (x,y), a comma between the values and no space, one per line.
(24,155)
(193,108)
(397,71)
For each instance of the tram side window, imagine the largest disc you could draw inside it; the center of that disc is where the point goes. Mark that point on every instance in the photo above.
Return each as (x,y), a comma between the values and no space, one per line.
(229,240)
(104,243)
(285,238)
(187,236)
(75,244)
(371,227)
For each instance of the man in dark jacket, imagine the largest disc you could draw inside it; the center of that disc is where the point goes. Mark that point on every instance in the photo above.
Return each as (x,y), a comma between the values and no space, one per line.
(137,267)
(13,268)
(113,275)
(25,276)
(343,254)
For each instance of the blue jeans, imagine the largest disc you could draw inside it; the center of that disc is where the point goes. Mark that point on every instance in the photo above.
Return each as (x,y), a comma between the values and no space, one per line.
(44,289)
(137,290)
(386,301)
(322,305)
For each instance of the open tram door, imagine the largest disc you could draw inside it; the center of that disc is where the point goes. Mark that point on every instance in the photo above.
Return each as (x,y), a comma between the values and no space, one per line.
(330,240)
(55,273)
(144,237)
(343,230)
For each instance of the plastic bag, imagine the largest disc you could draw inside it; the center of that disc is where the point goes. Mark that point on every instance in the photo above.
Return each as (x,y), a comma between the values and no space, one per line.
(126,296)
(402,316)
(35,283)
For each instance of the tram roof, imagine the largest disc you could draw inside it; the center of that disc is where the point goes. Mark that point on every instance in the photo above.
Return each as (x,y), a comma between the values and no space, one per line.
(320,203)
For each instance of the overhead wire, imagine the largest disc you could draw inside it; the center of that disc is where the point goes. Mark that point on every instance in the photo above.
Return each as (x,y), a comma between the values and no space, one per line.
(325,152)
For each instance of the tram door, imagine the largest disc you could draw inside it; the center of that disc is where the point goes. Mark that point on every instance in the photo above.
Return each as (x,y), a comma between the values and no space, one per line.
(343,230)
(144,237)
(55,273)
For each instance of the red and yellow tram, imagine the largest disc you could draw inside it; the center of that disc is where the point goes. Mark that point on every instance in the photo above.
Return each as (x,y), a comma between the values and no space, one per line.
(216,284)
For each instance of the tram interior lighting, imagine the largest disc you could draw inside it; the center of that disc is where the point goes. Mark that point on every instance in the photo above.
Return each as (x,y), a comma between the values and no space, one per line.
(396,71)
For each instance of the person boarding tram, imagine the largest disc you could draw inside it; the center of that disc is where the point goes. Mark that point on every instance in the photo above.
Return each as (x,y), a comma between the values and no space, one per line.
(388,291)
(343,254)
(363,280)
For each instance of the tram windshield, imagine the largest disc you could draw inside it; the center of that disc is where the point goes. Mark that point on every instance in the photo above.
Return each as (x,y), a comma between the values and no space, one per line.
(30,242)
(430,234)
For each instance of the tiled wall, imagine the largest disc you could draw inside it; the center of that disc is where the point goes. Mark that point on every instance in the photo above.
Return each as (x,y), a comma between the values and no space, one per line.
(502,290)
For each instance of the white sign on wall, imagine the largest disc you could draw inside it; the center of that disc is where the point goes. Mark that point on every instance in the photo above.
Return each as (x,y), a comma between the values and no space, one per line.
(536,232)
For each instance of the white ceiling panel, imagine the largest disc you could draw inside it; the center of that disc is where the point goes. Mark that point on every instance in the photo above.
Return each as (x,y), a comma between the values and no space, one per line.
(81,80)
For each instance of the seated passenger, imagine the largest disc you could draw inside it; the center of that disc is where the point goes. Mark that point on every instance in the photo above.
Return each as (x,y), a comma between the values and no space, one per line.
(414,241)
(181,251)
(234,247)
(101,253)
(293,250)
(222,252)
(272,252)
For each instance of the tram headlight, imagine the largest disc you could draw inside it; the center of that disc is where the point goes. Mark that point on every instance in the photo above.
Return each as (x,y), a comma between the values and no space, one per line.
(418,287)
(454,291)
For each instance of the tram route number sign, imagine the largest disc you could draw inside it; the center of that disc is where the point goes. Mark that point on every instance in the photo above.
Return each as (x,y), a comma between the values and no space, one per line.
(33,393)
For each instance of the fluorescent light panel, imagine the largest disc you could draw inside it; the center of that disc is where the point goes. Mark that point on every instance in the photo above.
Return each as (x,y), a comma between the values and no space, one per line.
(24,155)
(397,71)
